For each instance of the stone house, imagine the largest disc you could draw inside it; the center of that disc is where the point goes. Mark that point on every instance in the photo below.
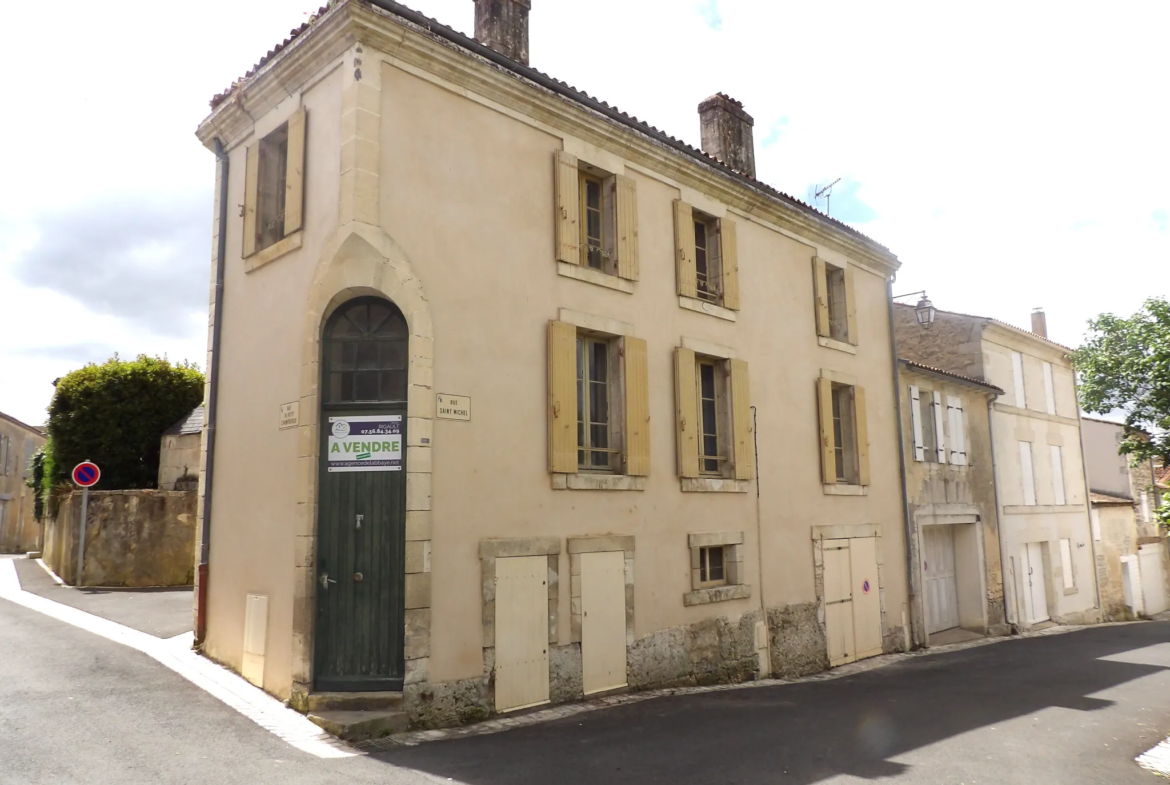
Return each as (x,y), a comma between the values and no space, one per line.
(19,530)
(956,571)
(1046,547)
(179,451)
(516,399)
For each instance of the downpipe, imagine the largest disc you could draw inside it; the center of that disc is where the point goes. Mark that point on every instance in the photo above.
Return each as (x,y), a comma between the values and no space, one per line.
(911,634)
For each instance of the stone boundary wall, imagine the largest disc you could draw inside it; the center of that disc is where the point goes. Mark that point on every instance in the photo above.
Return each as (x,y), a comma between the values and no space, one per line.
(135,538)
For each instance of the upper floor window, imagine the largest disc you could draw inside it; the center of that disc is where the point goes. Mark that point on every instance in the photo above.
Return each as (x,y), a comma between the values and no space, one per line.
(708,256)
(708,270)
(844,433)
(926,419)
(597,439)
(596,242)
(274,186)
(714,415)
(836,309)
(596,218)
(1018,380)
(366,353)
(1049,389)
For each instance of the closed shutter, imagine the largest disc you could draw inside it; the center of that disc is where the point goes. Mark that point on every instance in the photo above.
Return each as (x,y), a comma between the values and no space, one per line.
(627,228)
(940,440)
(821,291)
(743,449)
(729,246)
(1049,393)
(850,306)
(637,413)
(916,424)
(1027,476)
(862,420)
(251,194)
(687,414)
(828,454)
(568,208)
(684,242)
(562,397)
(958,433)
(1057,474)
(1018,378)
(294,177)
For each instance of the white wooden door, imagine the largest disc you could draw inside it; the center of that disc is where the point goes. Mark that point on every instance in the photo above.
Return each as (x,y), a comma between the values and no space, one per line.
(867,606)
(521,632)
(1035,594)
(603,620)
(838,602)
(1150,568)
(938,570)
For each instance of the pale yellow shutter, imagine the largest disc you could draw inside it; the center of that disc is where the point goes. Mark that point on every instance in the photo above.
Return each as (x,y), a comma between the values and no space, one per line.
(562,397)
(568,207)
(729,245)
(850,305)
(862,421)
(294,178)
(828,454)
(627,227)
(684,242)
(637,414)
(743,447)
(251,194)
(821,289)
(687,414)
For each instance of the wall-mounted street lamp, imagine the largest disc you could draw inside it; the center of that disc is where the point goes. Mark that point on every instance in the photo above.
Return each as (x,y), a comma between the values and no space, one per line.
(925,309)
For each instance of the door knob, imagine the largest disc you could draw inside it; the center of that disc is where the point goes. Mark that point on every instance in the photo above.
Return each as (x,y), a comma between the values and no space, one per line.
(357,576)
(326,580)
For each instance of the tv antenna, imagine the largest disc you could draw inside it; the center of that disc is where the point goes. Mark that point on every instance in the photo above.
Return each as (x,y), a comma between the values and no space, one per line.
(824,192)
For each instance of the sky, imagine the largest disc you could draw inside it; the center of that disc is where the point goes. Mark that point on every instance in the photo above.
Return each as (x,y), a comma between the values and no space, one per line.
(1012,155)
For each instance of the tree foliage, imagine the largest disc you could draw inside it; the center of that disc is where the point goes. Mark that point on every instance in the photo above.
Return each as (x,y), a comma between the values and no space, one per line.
(36,477)
(1125,364)
(114,414)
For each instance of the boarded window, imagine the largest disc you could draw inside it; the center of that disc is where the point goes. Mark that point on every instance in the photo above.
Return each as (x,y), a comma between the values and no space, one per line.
(1066,564)
(1057,474)
(1018,380)
(1027,477)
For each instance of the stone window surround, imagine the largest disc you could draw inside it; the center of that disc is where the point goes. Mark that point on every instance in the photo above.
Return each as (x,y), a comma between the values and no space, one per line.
(843,488)
(489,551)
(733,550)
(600,543)
(711,484)
(845,531)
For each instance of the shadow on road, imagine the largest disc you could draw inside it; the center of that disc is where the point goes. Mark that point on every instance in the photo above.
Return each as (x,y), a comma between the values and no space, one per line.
(802,733)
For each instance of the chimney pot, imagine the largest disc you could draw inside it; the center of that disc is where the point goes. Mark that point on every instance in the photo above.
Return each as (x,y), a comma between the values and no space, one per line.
(1039,323)
(503,26)
(727,133)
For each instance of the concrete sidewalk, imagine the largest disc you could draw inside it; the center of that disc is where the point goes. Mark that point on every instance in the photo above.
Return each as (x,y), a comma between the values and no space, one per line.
(163,613)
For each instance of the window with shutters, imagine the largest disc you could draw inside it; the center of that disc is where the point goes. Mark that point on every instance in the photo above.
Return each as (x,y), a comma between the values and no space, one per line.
(838,313)
(926,412)
(844,434)
(957,425)
(274,191)
(270,191)
(708,267)
(598,440)
(836,307)
(596,223)
(715,447)
(1027,474)
(597,219)
(708,263)
(1018,380)
(1058,490)
(711,390)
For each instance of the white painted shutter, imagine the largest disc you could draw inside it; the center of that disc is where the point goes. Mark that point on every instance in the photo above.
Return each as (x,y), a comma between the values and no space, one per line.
(916,424)
(1018,376)
(1066,565)
(1049,396)
(1026,475)
(1095,523)
(1057,474)
(958,434)
(940,440)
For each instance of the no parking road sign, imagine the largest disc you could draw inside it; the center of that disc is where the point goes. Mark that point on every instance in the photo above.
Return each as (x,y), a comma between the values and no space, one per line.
(86,474)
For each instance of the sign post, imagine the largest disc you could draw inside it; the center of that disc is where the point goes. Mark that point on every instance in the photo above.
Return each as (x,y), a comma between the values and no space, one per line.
(85,474)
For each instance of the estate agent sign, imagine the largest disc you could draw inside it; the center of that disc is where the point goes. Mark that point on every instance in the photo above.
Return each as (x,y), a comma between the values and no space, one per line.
(365,444)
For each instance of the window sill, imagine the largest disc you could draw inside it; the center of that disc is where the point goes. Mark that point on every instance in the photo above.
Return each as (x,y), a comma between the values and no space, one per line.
(1070,591)
(589,275)
(711,309)
(717,594)
(840,346)
(273,252)
(1040,509)
(597,482)
(714,485)
(843,489)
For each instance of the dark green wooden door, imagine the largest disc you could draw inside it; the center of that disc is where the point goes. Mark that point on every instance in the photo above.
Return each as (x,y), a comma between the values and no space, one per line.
(361,504)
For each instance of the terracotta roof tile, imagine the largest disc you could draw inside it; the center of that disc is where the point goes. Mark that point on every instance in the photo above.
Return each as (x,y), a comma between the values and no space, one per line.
(952,374)
(1104,498)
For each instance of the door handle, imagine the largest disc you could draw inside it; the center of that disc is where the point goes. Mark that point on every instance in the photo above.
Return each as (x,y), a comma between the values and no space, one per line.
(326,580)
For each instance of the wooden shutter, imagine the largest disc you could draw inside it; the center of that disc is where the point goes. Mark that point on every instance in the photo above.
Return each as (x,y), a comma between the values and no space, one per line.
(568,208)
(637,409)
(1049,395)
(821,290)
(251,194)
(850,306)
(743,447)
(294,177)
(828,454)
(562,397)
(940,440)
(958,435)
(916,424)
(687,413)
(729,246)
(684,241)
(861,421)
(627,227)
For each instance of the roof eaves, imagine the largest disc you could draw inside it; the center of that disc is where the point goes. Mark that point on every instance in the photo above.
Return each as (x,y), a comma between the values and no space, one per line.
(951,375)
(39,430)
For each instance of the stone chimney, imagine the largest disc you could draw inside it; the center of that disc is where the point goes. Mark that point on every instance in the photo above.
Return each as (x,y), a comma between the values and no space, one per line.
(1039,323)
(503,26)
(727,133)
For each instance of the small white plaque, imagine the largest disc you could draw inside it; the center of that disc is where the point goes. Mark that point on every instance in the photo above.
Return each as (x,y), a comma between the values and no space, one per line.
(290,415)
(453,407)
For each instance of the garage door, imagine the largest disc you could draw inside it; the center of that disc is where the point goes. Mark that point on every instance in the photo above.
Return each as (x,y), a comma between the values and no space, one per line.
(938,570)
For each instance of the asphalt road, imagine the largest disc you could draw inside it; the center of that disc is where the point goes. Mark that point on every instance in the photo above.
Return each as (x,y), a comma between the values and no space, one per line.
(1074,708)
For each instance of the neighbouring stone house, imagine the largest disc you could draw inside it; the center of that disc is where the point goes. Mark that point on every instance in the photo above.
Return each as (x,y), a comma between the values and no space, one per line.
(178,456)
(954,521)
(1046,547)
(519,399)
(19,530)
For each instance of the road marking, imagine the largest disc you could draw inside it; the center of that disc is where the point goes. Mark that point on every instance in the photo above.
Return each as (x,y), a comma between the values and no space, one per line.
(1157,759)
(176,654)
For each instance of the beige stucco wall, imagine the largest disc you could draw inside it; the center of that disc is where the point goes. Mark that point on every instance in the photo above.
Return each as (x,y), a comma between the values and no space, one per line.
(465,195)
(19,531)
(178,457)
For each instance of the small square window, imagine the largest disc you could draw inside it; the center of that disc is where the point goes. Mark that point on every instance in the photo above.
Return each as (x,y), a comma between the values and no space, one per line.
(708,258)
(838,307)
(845,434)
(271,188)
(711,566)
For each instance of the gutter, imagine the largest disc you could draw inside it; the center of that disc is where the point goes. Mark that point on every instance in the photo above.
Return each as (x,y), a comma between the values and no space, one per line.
(911,584)
(213,393)
(1004,561)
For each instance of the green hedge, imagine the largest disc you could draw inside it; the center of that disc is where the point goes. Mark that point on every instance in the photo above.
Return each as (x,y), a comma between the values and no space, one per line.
(114,414)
